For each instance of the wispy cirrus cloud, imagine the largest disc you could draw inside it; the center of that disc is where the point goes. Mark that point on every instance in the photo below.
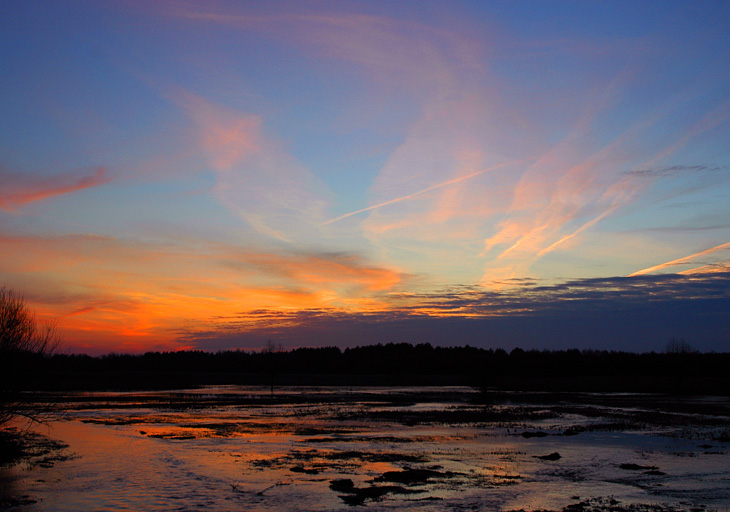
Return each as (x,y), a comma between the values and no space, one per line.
(565,193)
(440,71)
(691,259)
(256,178)
(426,190)
(20,189)
(673,170)
(712,268)
(434,186)
(396,51)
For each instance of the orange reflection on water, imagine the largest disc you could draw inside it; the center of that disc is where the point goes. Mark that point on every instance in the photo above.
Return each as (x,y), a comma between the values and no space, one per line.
(279,454)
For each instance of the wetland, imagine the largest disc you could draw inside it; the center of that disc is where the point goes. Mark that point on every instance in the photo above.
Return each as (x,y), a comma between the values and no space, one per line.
(374,448)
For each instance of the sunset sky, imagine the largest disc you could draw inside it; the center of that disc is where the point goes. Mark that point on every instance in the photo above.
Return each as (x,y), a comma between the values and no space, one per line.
(213,175)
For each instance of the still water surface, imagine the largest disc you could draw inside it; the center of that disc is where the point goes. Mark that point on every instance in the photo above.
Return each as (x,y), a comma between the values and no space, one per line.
(426,449)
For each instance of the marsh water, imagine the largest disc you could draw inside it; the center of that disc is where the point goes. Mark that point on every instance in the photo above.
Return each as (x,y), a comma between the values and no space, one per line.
(428,449)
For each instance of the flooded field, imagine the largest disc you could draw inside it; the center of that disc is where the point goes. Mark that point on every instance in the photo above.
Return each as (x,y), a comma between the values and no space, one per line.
(426,449)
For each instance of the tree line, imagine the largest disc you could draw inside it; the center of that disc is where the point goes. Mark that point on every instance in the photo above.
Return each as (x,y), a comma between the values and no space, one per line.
(403,363)
(29,361)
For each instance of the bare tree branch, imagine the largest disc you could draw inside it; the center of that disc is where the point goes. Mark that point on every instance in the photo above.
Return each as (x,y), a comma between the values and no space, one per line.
(23,342)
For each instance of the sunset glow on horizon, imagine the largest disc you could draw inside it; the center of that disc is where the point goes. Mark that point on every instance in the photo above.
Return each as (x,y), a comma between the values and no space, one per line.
(213,175)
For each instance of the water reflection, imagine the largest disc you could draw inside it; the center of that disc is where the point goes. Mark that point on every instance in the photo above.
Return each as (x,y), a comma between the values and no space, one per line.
(231,448)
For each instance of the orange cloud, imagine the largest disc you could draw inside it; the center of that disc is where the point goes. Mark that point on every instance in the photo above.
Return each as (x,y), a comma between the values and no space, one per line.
(554,192)
(119,293)
(335,269)
(575,233)
(680,261)
(19,189)
(714,268)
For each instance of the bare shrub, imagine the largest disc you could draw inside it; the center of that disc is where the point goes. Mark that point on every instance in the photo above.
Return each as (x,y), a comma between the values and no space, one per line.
(24,343)
(679,346)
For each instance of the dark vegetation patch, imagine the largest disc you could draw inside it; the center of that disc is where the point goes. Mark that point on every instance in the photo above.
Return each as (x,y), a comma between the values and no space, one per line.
(410,476)
(316,461)
(125,420)
(220,429)
(551,456)
(342,485)
(407,478)
(11,502)
(539,433)
(19,446)
(178,436)
(505,479)
(359,495)
(13,446)
(637,467)
(356,456)
(319,430)
(457,415)
(612,505)
(499,480)
(361,439)
(377,456)
(723,436)
(302,469)
(566,473)
(29,448)
(225,428)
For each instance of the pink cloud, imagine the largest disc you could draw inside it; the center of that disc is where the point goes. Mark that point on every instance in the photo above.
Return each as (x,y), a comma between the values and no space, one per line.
(228,137)
(401,53)
(20,189)
(256,178)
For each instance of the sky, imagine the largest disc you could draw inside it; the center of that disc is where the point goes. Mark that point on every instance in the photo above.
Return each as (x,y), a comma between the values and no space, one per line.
(214,175)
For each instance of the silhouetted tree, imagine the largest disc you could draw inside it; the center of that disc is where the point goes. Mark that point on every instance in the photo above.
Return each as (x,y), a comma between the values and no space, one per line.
(272,351)
(682,360)
(679,346)
(24,343)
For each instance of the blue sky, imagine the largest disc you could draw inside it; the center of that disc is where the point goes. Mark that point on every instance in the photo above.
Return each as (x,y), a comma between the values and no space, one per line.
(215,174)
